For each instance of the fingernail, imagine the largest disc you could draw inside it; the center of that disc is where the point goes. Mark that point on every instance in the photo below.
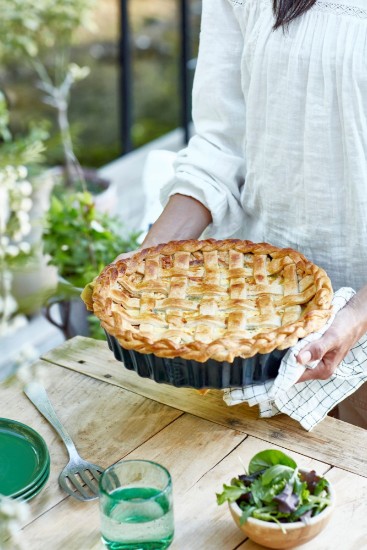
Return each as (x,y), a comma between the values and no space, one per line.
(305,357)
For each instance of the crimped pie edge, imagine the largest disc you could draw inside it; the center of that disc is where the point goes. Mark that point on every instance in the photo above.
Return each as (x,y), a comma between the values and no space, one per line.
(225,348)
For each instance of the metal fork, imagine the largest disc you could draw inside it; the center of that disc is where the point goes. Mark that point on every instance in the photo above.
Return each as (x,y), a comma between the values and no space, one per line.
(79,478)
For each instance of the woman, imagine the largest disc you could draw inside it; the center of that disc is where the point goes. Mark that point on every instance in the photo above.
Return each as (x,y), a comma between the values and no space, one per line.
(280,151)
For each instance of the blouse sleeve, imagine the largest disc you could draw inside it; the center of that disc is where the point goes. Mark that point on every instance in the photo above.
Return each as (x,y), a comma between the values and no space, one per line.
(211,168)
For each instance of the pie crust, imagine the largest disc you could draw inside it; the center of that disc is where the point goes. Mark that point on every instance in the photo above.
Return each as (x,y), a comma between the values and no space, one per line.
(208,299)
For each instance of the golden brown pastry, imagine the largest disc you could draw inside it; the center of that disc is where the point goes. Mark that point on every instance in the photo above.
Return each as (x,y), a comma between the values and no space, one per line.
(201,299)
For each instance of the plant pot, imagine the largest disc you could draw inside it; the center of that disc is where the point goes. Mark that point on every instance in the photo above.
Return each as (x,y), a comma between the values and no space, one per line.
(270,534)
(33,283)
(34,279)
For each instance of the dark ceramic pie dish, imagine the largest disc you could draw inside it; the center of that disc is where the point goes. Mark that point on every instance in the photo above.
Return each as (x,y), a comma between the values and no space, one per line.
(184,373)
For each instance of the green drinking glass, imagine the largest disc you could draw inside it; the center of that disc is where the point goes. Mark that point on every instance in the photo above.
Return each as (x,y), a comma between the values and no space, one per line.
(136,506)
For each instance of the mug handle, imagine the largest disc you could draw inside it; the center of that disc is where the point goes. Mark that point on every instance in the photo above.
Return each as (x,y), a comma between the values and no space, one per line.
(50,303)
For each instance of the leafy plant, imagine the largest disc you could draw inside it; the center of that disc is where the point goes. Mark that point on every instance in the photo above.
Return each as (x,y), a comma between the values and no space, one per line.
(275,490)
(80,240)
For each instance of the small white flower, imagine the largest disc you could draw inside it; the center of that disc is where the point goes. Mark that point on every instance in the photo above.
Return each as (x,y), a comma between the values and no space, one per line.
(25,188)
(25,228)
(22,216)
(8,307)
(13,527)
(25,247)
(23,512)
(78,73)
(17,237)
(4,208)
(64,247)
(96,226)
(22,172)
(12,250)
(7,507)
(24,374)
(29,353)
(26,204)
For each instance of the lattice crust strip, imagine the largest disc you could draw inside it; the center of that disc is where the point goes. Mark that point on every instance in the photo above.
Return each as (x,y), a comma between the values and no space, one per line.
(211,299)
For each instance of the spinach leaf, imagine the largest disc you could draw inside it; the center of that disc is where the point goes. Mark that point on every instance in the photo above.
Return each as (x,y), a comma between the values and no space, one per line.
(268,458)
(275,473)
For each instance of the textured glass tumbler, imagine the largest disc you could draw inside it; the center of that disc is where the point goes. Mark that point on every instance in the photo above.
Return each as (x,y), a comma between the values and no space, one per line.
(136,506)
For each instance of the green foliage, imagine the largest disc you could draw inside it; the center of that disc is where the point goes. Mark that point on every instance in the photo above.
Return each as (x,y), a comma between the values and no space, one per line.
(266,459)
(21,151)
(81,240)
(40,33)
(30,28)
(276,491)
(95,329)
(24,150)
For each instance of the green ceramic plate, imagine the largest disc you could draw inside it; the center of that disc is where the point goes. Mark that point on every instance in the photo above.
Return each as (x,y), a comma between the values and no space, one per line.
(33,491)
(24,457)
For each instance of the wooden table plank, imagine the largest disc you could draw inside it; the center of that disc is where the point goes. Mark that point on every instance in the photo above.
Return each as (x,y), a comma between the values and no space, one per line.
(113,418)
(201,456)
(201,450)
(332,441)
(189,447)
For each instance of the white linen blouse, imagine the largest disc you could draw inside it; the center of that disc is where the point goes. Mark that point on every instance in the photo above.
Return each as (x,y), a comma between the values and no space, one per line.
(280,146)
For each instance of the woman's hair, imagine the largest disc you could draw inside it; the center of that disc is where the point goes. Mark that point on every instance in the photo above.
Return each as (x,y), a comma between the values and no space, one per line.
(287,10)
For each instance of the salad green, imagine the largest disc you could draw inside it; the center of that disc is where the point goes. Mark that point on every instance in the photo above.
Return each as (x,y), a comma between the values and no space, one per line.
(275,490)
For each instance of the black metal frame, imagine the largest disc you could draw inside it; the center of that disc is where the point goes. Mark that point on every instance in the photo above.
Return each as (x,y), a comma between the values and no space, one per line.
(125,78)
(126,106)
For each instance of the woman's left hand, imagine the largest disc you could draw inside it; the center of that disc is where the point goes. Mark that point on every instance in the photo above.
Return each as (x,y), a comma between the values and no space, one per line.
(347,328)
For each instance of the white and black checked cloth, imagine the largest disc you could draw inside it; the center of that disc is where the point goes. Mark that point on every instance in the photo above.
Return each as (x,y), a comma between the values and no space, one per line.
(307,402)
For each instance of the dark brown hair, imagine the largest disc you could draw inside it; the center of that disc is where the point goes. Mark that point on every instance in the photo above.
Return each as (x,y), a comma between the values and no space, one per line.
(287,10)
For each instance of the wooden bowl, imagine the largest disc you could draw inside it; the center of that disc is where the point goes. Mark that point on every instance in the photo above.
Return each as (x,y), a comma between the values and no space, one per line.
(270,534)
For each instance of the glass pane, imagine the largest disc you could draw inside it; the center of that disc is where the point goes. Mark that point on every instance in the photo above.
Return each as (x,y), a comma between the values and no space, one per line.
(95,102)
(156,50)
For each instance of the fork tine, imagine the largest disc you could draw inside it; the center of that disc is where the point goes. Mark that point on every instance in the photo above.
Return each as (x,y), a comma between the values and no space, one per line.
(81,493)
(92,482)
(96,471)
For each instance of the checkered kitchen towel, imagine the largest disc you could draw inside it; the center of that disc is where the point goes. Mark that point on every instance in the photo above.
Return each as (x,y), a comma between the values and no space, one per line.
(307,402)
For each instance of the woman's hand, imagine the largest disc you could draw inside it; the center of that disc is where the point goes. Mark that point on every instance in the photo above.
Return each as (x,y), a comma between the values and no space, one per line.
(349,325)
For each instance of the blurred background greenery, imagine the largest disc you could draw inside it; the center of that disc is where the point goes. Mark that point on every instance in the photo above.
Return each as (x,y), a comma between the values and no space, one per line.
(95,101)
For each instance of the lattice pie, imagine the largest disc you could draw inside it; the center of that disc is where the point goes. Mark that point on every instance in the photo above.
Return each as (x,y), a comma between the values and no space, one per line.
(211,299)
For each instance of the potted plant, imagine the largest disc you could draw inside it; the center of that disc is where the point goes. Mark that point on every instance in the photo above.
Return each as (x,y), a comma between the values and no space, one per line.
(276,504)
(80,240)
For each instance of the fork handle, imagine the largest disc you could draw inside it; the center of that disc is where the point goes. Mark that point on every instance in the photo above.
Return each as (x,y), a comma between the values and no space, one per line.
(37,394)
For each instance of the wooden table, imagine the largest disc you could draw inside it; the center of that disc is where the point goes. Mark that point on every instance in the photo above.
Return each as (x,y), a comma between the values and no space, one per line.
(111,413)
